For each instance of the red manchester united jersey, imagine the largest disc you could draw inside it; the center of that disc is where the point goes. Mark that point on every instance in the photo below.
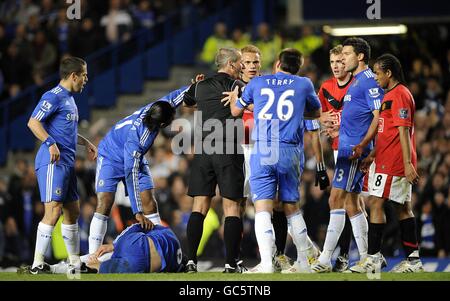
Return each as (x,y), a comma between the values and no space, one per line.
(331,97)
(397,109)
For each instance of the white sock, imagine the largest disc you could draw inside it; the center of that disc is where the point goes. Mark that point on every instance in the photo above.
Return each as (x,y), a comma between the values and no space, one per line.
(97,231)
(299,235)
(309,242)
(43,238)
(154,218)
(71,238)
(264,236)
(360,229)
(335,227)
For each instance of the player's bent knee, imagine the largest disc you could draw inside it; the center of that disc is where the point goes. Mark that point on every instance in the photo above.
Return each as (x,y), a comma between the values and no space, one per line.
(51,214)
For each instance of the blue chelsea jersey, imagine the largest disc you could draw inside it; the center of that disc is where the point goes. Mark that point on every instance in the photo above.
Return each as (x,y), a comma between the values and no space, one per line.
(280,101)
(130,137)
(363,96)
(58,114)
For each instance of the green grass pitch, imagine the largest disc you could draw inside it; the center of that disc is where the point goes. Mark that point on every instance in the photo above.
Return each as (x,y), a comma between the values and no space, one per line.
(215,276)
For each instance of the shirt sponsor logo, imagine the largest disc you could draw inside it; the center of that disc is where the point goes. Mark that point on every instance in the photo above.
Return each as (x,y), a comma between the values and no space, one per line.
(403,113)
(71,117)
(46,106)
(374,93)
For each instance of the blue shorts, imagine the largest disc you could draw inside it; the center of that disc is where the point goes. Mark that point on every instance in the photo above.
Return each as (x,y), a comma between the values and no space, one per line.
(57,183)
(109,174)
(279,170)
(347,175)
(131,255)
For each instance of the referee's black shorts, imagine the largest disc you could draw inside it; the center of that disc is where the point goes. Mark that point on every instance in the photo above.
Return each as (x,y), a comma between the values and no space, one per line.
(225,170)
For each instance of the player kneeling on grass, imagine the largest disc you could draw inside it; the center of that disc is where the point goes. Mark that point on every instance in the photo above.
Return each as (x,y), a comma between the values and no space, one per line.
(135,250)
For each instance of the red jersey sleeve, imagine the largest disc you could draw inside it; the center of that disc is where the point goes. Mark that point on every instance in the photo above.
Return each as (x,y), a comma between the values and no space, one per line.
(323,100)
(402,110)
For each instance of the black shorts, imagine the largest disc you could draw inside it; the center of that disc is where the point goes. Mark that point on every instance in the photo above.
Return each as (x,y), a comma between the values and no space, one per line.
(224,170)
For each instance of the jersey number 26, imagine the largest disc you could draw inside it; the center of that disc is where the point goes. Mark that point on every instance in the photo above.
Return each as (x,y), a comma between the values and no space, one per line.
(283,105)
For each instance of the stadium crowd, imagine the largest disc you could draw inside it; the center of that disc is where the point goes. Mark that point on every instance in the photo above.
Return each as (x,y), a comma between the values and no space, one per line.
(35,35)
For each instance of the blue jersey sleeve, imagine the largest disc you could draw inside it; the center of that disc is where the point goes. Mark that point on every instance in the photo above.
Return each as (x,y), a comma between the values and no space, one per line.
(373,95)
(247,96)
(134,228)
(46,107)
(175,98)
(133,155)
(312,101)
(312,125)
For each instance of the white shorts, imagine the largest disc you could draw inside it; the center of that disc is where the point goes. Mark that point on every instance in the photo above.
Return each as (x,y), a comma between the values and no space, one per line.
(368,180)
(394,188)
(247,151)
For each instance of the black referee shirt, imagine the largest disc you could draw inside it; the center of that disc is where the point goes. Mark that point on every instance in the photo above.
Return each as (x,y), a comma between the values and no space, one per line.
(207,95)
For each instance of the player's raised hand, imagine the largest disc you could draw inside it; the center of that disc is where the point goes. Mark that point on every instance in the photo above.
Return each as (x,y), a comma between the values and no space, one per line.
(92,151)
(54,153)
(145,223)
(411,174)
(357,152)
(328,119)
(231,96)
(332,131)
(198,77)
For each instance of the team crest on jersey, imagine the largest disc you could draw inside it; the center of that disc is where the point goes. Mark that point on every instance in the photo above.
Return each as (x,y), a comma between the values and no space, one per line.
(46,106)
(403,113)
(58,191)
(374,93)
(347,97)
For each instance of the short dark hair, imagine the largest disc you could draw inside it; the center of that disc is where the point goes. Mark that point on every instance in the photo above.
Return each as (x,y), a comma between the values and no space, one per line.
(71,65)
(290,60)
(160,114)
(387,62)
(359,46)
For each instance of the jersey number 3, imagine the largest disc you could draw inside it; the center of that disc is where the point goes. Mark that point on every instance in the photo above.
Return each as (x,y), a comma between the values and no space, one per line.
(285,107)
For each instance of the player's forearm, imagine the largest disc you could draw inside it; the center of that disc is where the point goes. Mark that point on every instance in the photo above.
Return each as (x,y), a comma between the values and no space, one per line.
(38,130)
(372,131)
(317,146)
(372,153)
(405,143)
(82,140)
(235,111)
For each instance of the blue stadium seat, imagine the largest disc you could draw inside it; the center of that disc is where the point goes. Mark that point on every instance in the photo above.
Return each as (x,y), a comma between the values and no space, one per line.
(157,61)
(104,87)
(20,136)
(183,55)
(131,75)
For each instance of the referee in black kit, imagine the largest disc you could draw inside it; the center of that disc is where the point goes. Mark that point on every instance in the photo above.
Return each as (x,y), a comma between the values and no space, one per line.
(223,166)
